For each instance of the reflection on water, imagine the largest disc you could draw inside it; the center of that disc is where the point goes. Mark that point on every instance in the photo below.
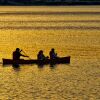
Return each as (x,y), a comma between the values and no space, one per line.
(73,31)
(62,82)
(16,68)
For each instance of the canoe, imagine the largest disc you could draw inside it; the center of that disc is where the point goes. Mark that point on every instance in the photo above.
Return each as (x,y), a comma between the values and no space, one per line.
(61,60)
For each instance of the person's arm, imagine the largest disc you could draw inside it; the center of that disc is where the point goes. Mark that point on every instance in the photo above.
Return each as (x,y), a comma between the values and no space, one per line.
(20,50)
(23,55)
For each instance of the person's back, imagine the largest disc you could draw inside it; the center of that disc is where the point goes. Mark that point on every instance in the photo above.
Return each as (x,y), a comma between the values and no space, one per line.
(17,54)
(41,56)
(52,54)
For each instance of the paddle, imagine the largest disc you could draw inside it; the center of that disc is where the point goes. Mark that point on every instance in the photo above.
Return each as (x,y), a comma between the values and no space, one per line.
(26,54)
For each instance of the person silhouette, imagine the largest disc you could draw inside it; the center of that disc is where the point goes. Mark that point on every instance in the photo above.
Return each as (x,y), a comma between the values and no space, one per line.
(41,56)
(17,53)
(52,54)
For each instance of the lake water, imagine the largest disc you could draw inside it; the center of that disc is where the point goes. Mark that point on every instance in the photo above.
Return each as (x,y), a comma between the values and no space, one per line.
(71,30)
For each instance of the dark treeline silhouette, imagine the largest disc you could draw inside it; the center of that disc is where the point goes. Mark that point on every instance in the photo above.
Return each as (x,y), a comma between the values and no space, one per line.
(49,2)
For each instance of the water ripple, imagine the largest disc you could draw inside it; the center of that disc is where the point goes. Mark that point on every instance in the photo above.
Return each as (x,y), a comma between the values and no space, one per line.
(51,27)
(53,21)
(48,13)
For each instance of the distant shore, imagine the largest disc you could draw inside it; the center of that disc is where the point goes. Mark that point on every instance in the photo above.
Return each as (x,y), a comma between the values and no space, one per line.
(50,3)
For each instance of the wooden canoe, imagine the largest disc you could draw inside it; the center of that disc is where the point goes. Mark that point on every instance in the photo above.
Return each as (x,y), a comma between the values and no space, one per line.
(61,60)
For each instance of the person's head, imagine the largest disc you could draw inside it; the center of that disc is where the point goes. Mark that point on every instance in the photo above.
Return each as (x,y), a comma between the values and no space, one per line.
(41,52)
(17,49)
(53,49)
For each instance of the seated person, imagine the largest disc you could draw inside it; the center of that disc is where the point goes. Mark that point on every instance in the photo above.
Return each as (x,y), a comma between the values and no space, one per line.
(41,56)
(17,54)
(52,54)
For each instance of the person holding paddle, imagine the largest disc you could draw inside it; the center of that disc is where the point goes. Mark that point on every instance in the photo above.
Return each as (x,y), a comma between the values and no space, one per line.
(17,54)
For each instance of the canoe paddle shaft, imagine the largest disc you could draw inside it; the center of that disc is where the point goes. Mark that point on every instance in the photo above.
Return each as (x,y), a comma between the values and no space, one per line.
(26,54)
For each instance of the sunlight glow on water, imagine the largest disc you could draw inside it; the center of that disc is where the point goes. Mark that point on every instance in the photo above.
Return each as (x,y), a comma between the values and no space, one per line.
(73,31)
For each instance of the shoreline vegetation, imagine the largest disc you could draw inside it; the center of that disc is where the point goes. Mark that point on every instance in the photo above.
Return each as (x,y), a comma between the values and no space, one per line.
(40,3)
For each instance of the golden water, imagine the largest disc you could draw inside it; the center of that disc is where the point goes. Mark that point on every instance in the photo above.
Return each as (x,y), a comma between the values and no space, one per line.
(71,30)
